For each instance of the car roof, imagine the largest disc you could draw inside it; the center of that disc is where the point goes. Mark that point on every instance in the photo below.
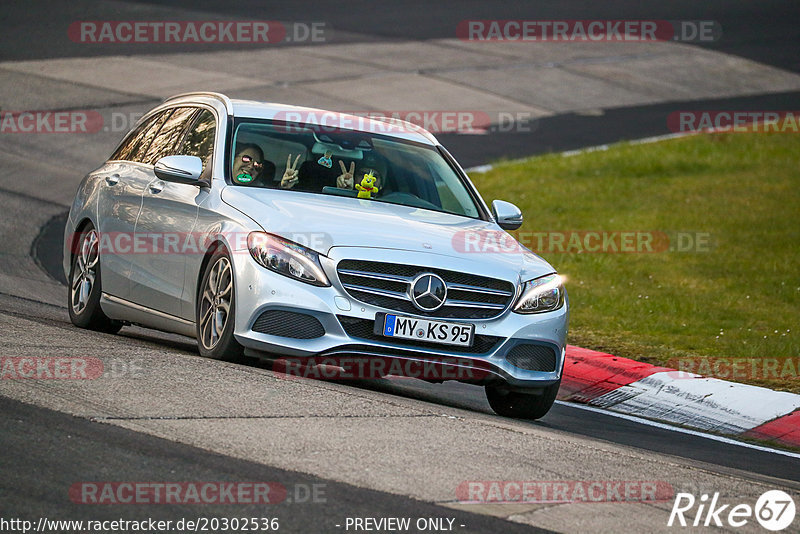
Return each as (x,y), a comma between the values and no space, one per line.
(373,123)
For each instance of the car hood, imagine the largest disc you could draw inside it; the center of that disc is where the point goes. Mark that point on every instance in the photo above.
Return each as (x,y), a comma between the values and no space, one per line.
(322,222)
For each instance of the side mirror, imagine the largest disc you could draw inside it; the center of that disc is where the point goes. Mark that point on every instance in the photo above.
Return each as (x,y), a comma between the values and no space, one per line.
(507,215)
(180,169)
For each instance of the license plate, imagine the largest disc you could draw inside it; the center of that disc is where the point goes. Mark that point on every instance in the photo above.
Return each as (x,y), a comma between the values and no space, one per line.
(430,331)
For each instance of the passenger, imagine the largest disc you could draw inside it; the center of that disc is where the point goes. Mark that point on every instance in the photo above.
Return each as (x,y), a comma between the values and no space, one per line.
(346,180)
(350,177)
(290,175)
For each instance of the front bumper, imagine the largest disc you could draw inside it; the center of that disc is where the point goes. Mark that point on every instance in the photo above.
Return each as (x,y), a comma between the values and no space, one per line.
(343,326)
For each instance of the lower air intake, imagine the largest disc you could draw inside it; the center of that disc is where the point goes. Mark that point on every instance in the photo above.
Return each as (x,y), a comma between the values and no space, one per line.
(532,357)
(289,324)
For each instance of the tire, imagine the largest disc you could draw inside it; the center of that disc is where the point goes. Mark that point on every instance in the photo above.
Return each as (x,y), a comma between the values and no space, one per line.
(85,286)
(521,405)
(215,311)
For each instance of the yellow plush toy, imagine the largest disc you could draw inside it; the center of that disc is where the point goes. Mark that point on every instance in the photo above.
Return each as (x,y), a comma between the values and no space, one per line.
(367,186)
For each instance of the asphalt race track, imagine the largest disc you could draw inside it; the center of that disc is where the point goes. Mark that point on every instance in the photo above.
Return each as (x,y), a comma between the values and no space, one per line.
(388,448)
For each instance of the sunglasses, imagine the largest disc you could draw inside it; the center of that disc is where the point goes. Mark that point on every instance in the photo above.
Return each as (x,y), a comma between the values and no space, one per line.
(250,159)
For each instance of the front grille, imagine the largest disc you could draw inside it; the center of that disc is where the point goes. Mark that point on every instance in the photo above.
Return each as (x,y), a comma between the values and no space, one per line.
(532,357)
(364,329)
(289,324)
(386,285)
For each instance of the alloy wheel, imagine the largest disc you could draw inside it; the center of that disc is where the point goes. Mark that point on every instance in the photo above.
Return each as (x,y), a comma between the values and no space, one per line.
(85,272)
(215,303)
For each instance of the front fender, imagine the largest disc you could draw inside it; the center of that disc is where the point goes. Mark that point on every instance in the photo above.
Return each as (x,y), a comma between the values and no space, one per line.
(216,222)
(83,209)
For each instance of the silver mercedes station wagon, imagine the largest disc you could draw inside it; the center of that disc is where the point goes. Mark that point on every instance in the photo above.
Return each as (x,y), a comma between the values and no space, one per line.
(311,236)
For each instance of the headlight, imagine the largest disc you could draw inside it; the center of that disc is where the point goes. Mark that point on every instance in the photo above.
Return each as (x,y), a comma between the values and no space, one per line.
(286,258)
(541,295)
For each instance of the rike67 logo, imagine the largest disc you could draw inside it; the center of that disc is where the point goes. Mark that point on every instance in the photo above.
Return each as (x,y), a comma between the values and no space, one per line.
(774,510)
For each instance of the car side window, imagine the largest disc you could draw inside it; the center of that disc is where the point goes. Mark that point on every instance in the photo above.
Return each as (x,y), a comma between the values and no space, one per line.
(199,140)
(140,138)
(164,143)
(137,154)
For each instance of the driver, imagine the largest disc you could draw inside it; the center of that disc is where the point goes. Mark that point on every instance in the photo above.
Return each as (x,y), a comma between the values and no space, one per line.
(248,163)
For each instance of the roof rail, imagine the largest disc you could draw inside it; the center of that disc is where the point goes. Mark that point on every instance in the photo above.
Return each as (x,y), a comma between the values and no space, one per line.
(219,96)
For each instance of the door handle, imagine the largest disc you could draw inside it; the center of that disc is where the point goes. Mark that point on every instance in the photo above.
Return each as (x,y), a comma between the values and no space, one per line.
(113,179)
(156,187)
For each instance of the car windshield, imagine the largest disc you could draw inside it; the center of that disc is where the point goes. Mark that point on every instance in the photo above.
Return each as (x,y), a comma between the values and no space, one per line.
(347,163)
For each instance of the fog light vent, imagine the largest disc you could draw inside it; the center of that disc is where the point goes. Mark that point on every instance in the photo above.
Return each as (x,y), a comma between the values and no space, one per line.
(532,357)
(289,324)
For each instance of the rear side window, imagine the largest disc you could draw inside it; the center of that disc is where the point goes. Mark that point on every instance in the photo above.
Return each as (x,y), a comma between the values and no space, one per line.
(199,140)
(139,140)
(164,143)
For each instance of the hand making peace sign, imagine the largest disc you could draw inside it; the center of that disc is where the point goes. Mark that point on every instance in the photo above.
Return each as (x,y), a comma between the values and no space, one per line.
(290,177)
(345,180)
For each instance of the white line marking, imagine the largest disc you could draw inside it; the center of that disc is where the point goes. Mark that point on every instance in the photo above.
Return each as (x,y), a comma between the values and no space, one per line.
(568,153)
(480,168)
(678,429)
(642,141)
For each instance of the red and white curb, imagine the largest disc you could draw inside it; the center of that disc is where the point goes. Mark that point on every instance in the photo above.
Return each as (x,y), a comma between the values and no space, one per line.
(710,404)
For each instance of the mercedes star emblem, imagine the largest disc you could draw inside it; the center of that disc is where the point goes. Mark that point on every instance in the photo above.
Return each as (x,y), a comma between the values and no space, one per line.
(428,292)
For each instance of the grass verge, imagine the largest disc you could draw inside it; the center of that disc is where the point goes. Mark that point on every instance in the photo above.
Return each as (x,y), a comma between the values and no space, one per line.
(729,304)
